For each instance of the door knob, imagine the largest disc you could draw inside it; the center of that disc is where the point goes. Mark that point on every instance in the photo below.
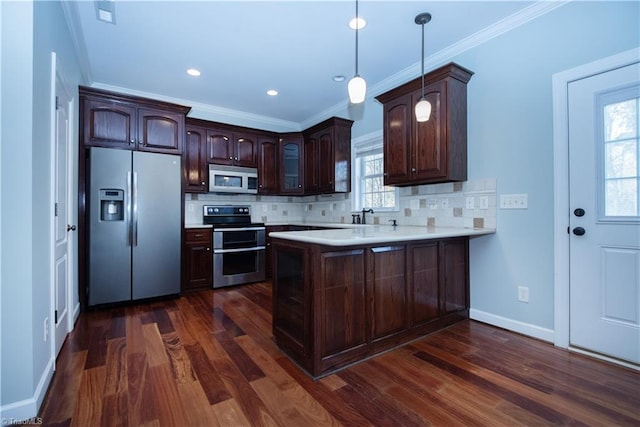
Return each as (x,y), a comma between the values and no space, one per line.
(579,231)
(71,227)
(578,212)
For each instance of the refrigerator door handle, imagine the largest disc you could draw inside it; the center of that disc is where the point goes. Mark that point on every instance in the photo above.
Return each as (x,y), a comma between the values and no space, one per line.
(134,216)
(129,208)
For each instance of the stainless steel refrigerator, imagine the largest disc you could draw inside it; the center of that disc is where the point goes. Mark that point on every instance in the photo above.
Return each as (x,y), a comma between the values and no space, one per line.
(134,225)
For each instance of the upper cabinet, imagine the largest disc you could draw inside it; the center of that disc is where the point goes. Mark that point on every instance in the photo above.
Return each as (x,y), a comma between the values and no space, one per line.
(268,165)
(327,157)
(128,122)
(225,147)
(195,171)
(291,164)
(435,150)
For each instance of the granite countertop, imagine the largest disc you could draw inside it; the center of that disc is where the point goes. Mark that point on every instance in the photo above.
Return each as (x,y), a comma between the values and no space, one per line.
(373,234)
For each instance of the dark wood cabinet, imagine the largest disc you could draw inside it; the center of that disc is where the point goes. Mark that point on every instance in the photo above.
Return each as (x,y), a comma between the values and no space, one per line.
(197,268)
(268,165)
(226,147)
(195,173)
(291,164)
(327,157)
(435,150)
(388,290)
(115,120)
(356,301)
(292,301)
(454,259)
(341,290)
(424,285)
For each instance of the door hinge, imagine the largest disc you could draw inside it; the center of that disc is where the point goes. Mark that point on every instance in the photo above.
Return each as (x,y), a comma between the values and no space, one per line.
(55,317)
(57,102)
(568,230)
(55,209)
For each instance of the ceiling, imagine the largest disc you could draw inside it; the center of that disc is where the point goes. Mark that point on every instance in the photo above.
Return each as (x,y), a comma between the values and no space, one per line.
(244,48)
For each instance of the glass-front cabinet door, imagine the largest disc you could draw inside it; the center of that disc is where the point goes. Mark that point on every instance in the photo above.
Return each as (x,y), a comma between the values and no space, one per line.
(291,164)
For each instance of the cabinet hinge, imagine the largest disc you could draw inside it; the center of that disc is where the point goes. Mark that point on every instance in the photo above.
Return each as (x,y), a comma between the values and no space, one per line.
(55,317)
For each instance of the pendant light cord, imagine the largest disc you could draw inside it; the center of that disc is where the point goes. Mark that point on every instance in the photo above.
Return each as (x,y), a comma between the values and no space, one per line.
(357,25)
(422,62)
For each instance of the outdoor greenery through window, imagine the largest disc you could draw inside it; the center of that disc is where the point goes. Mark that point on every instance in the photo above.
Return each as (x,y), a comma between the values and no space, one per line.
(621,152)
(371,189)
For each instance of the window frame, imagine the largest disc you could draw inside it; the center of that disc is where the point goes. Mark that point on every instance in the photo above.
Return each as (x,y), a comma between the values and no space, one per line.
(604,99)
(367,145)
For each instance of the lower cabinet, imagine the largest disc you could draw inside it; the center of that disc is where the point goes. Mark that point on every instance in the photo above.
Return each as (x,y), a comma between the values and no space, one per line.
(334,306)
(197,269)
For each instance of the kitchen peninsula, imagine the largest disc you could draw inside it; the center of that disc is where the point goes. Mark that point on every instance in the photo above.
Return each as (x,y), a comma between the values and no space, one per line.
(343,295)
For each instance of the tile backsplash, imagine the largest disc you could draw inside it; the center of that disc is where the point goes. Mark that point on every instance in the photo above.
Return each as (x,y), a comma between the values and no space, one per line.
(469,204)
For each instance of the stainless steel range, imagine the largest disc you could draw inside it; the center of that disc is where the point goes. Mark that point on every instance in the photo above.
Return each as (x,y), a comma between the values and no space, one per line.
(238,245)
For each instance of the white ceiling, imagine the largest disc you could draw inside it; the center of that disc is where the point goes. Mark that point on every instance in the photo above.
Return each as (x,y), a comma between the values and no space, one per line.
(244,48)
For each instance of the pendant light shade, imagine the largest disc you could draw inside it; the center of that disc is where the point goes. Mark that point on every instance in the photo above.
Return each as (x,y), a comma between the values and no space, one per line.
(423,107)
(423,110)
(357,89)
(357,85)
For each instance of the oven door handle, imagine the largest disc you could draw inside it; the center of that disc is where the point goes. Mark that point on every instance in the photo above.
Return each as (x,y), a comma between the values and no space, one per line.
(222,230)
(230,251)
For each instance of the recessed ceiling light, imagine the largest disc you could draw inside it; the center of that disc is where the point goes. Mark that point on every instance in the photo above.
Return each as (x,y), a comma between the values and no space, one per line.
(339,78)
(193,72)
(272,92)
(359,22)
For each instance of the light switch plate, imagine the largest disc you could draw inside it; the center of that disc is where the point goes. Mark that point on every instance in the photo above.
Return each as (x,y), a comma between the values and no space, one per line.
(514,201)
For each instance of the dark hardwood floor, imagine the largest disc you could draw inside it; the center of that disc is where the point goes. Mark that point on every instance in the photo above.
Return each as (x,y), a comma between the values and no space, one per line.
(208,359)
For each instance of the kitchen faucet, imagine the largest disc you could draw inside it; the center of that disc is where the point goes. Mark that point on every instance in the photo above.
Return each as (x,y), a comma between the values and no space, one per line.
(364,211)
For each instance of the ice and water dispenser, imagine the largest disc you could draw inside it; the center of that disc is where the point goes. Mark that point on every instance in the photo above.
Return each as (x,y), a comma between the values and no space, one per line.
(111,205)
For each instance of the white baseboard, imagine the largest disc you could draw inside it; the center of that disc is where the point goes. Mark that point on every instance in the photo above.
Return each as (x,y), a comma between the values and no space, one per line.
(513,325)
(76,314)
(26,409)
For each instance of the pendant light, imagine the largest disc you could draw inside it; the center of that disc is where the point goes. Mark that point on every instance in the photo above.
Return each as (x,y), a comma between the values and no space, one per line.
(423,107)
(357,85)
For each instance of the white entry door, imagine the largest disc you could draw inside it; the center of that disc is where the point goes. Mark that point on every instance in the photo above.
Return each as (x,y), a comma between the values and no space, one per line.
(62,227)
(604,202)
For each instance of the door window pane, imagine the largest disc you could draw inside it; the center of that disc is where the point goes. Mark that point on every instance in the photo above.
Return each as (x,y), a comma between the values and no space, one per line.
(621,152)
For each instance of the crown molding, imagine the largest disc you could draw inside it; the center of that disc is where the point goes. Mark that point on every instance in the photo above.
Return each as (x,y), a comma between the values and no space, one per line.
(207,111)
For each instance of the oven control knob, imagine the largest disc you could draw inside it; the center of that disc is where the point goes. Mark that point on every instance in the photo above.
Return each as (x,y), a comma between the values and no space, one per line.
(216,210)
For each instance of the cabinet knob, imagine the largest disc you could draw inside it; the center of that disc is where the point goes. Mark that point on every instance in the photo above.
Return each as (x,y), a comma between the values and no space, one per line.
(413,169)
(236,158)
(133,141)
(230,158)
(299,185)
(208,249)
(203,183)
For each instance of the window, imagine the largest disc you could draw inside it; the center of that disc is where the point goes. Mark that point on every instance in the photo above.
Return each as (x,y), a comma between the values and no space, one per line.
(620,154)
(369,181)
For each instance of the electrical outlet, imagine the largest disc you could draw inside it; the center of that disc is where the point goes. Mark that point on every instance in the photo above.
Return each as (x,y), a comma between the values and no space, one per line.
(523,294)
(444,203)
(46,329)
(484,202)
(470,202)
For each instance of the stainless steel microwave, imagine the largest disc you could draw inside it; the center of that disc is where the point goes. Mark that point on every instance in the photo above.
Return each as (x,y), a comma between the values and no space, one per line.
(232,179)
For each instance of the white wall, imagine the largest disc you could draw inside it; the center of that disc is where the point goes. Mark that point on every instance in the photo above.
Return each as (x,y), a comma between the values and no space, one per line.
(30,32)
